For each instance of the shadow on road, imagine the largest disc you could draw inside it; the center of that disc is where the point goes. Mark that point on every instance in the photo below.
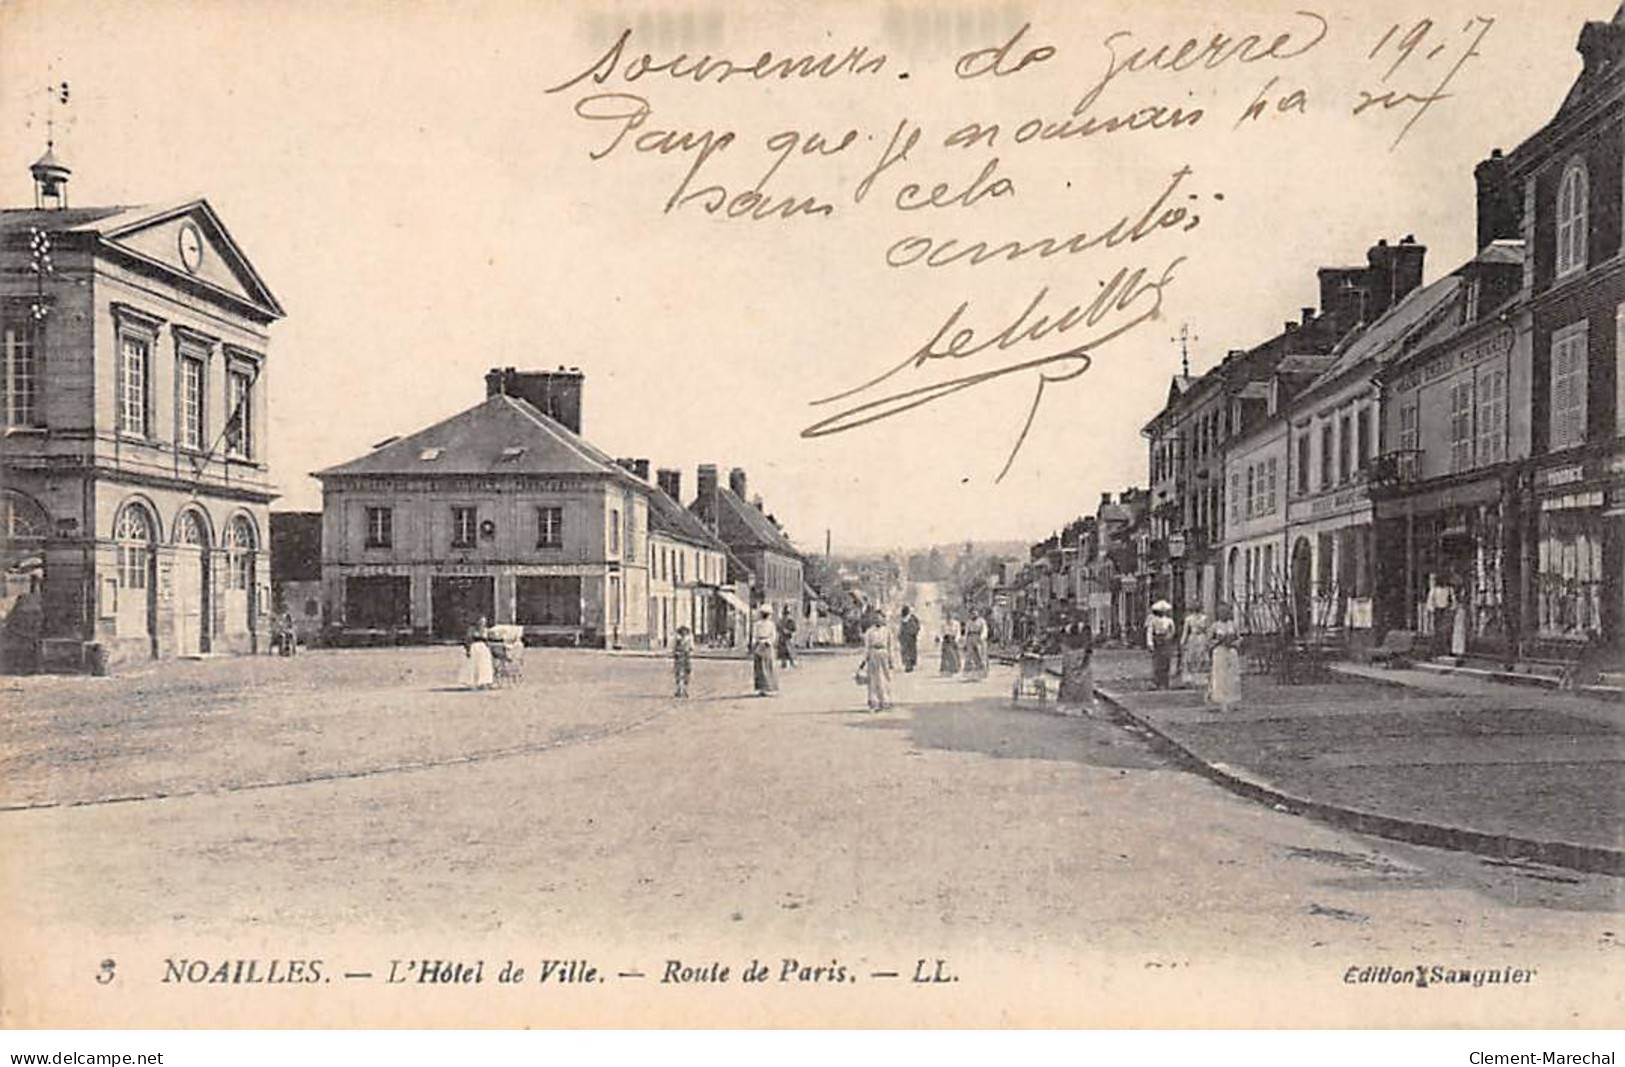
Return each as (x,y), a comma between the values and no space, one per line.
(993,727)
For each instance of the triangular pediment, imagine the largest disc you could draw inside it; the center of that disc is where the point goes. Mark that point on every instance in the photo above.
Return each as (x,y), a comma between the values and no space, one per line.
(190,241)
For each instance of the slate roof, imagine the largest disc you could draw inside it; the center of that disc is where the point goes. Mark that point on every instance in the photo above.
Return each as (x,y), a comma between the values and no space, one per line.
(501,435)
(742,525)
(668,517)
(69,218)
(1407,324)
(1502,252)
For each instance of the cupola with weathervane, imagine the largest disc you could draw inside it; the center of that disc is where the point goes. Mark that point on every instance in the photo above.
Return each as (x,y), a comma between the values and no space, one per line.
(50,180)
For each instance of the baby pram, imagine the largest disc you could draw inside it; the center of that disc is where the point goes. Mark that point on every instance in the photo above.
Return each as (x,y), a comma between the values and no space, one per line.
(1030,678)
(507,644)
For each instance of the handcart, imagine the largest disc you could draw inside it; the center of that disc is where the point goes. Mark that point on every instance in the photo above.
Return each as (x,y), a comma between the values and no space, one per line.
(1030,678)
(507,644)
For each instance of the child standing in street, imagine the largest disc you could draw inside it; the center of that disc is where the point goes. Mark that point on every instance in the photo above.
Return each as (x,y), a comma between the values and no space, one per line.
(682,659)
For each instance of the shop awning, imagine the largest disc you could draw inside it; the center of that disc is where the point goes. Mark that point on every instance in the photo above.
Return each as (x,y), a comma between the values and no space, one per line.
(733,601)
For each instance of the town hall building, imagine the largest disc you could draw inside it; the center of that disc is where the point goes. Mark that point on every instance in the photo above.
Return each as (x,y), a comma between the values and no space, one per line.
(133,459)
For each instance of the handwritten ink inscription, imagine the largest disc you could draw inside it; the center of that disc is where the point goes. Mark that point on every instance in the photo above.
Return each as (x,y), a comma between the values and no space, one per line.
(1108,277)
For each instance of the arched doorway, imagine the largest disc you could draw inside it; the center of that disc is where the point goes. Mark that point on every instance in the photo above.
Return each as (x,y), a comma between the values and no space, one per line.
(24,525)
(191,541)
(134,532)
(1301,577)
(242,545)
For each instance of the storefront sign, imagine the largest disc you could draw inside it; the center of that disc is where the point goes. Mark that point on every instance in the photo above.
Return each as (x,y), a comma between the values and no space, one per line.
(1488,347)
(1570,501)
(1346,499)
(471,484)
(1562,476)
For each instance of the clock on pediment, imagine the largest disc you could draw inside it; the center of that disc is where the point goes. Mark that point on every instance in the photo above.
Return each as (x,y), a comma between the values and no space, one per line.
(189,240)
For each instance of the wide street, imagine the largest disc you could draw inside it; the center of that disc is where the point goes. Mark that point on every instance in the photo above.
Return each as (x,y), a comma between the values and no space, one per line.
(354,807)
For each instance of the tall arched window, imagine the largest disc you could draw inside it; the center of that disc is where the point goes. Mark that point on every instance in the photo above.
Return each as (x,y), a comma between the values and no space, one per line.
(21,518)
(189,529)
(134,533)
(24,526)
(240,545)
(1571,219)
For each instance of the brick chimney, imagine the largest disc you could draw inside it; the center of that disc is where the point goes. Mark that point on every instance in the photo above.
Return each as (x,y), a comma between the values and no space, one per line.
(640,467)
(1394,271)
(1499,207)
(1105,499)
(1344,297)
(670,482)
(705,505)
(556,394)
(736,482)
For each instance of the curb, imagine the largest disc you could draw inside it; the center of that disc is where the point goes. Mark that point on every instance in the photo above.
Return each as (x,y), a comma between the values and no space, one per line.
(1594,859)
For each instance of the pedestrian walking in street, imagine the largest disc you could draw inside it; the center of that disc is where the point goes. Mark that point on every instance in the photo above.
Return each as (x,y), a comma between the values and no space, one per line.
(682,659)
(877,662)
(976,647)
(1077,667)
(1193,650)
(908,639)
(787,638)
(764,637)
(950,646)
(1224,680)
(479,672)
(1159,638)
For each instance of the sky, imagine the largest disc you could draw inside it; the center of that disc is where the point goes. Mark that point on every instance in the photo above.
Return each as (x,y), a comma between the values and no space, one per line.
(424,208)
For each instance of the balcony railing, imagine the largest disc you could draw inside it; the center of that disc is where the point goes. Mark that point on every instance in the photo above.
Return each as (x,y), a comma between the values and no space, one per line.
(1399,467)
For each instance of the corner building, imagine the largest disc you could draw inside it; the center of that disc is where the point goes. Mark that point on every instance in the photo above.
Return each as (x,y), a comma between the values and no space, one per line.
(134,458)
(502,512)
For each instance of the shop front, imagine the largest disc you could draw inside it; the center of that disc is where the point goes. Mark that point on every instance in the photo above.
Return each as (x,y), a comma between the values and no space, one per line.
(1450,555)
(1578,555)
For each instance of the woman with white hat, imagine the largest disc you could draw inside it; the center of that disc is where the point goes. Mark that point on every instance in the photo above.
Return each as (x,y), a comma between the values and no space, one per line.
(764,636)
(1159,638)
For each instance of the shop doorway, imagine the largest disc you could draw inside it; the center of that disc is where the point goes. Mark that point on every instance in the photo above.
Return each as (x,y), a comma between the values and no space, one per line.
(1301,577)
(458,603)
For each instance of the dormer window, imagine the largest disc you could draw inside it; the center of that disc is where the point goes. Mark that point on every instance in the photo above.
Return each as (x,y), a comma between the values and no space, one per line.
(429,455)
(511,453)
(1571,219)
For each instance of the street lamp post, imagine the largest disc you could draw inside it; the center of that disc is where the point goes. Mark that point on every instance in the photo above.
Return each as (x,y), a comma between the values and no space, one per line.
(1176,558)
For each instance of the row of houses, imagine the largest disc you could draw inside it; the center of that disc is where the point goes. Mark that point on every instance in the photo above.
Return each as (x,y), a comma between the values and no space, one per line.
(1406,443)
(136,487)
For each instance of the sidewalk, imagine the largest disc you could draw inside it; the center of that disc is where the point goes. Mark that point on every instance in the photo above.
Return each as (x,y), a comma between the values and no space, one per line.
(1437,760)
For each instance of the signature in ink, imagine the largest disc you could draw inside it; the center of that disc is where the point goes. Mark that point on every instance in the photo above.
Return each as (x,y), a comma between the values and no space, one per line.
(1127,299)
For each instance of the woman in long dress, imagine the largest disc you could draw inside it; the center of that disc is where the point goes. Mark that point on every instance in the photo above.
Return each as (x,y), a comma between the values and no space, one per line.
(1194,649)
(878,660)
(976,647)
(764,637)
(1224,681)
(1077,671)
(478,670)
(950,646)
